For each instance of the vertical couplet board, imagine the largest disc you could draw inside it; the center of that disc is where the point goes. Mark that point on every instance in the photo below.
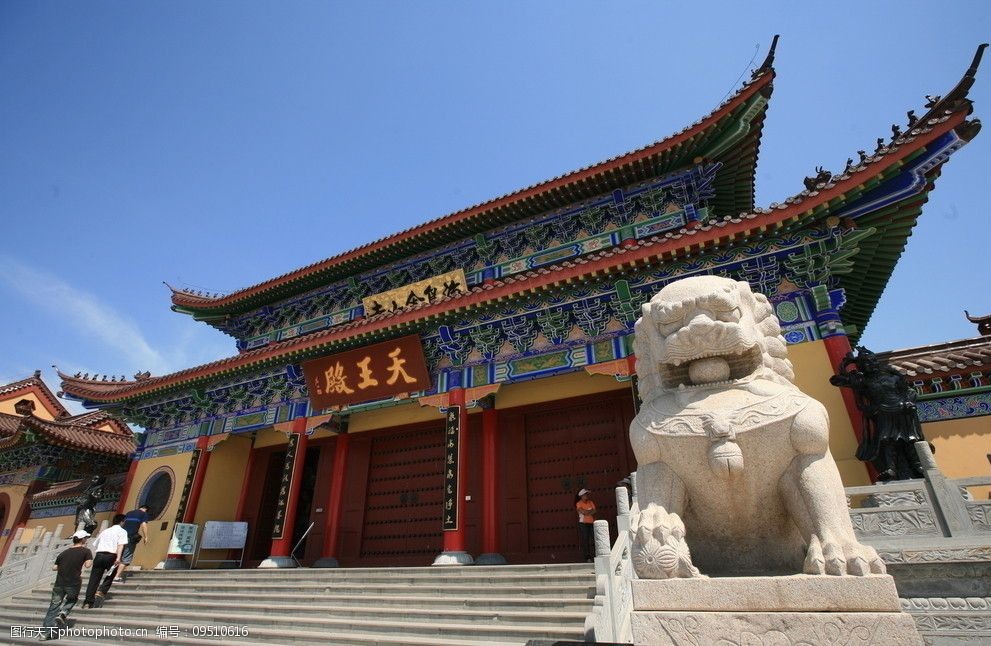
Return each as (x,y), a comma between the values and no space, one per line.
(285,486)
(188,486)
(452,440)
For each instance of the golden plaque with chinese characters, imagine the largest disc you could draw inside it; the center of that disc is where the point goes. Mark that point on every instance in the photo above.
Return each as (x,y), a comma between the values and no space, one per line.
(452,283)
(368,373)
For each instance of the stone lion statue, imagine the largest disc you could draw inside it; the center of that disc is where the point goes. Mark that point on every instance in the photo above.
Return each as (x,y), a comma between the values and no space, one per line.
(735,475)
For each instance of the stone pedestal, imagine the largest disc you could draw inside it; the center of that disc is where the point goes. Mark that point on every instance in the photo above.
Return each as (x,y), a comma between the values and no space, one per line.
(798,609)
(278,562)
(453,558)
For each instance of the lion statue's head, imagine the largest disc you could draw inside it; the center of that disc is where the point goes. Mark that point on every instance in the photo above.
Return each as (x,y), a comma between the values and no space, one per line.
(708,330)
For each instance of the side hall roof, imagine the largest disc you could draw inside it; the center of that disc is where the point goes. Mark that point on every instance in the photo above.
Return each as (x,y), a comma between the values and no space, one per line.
(17,428)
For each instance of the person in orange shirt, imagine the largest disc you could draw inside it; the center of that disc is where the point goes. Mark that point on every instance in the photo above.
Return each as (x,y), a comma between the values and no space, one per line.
(586,516)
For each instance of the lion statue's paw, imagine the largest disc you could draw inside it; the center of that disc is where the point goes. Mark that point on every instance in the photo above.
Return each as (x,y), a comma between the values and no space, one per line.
(659,547)
(838,558)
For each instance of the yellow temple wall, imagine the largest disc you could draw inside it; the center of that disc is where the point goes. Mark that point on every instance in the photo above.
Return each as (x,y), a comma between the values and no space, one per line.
(812,373)
(148,555)
(224,476)
(962,448)
(40,408)
(401,415)
(573,384)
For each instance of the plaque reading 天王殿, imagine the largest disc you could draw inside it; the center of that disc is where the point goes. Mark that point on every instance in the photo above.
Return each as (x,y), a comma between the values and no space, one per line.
(368,373)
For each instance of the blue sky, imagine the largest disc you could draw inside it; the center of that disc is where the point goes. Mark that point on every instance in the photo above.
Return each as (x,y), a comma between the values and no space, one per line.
(215,145)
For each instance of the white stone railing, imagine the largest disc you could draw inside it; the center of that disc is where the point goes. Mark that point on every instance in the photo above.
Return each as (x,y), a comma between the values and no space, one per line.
(932,507)
(609,620)
(29,565)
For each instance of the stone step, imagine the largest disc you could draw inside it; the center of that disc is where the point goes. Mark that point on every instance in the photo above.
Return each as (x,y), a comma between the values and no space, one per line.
(546,578)
(446,572)
(257,636)
(309,588)
(136,608)
(410,598)
(295,629)
(495,605)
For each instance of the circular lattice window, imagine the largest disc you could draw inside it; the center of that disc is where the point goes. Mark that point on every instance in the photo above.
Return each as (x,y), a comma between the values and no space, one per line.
(157,491)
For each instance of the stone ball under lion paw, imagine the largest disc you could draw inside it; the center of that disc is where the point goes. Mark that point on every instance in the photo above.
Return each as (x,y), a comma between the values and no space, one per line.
(651,560)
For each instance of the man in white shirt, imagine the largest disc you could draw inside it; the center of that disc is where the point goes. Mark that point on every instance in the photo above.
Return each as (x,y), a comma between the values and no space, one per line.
(108,547)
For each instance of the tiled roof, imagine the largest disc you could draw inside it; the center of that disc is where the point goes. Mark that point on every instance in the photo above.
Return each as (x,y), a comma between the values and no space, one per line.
(71,488)
(97,418)
(955,356)
(740,163)
(948,114)
(35,384)
(60,433)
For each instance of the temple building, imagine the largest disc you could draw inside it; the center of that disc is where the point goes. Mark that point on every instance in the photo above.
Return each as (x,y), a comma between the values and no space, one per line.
(48,456)
(441,394)
(953,383)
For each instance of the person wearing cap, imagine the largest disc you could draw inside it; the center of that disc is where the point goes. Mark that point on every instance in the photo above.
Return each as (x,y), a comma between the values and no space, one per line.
(108,547)
(69,565)
(586,516)
(136,526)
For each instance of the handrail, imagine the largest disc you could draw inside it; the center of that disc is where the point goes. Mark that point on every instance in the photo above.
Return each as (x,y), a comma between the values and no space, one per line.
(29,565)
(612,609)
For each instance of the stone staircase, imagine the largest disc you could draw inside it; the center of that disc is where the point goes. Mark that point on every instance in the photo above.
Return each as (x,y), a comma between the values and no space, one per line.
(442,606)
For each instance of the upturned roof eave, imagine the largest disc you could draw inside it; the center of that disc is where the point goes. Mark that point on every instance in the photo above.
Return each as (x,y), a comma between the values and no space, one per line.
(816,204)
(215,309)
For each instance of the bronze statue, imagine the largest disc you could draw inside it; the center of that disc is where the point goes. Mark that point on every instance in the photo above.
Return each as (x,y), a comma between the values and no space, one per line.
(86,504)
(891,425)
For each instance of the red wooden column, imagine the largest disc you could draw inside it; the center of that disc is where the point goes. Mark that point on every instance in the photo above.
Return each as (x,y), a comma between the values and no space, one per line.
(490,485)
(837,347)
(335,497)
(125,491)
(199,477)
(456,426)
(242,498)
(285,515)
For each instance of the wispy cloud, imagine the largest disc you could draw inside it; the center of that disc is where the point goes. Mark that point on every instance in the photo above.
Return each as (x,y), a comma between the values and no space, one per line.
(87,313)
(100,322)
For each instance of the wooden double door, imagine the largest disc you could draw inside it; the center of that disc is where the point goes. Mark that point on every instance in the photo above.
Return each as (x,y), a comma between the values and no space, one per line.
(550,452)
(394,497)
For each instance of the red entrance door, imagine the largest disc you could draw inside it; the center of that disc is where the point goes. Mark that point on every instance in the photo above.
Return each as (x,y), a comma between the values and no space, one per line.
(404,496)
(568,445)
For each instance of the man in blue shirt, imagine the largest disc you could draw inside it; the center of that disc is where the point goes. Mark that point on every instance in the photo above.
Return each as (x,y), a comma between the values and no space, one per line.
(136,526)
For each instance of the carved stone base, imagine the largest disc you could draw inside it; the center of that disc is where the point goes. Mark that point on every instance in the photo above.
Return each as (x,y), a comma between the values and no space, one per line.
(278,562)
(787,610)
(453,558)
(852,628)
(491,558)
(326,561)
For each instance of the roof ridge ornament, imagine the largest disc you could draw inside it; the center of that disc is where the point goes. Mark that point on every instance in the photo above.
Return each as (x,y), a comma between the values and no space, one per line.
(768,63)
(983,323)
(956,98)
